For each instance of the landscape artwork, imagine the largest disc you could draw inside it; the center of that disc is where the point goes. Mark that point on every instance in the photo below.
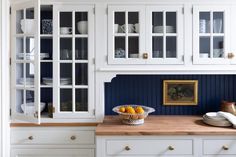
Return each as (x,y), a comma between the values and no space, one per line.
(180,92)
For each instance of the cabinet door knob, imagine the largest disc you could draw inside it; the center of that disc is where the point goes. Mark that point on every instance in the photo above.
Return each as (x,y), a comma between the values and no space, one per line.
(73,137)
(145,55)
(171,148)
(30,137)
(127,148)
(230,55)
(225,147)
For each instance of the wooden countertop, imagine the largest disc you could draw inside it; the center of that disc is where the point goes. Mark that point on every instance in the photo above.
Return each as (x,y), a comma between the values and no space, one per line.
(162,125)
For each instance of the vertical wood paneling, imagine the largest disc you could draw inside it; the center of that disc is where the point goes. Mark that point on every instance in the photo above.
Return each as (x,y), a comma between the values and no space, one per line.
(147,90)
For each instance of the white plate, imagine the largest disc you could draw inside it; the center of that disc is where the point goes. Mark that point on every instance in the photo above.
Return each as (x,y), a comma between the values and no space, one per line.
(213,115)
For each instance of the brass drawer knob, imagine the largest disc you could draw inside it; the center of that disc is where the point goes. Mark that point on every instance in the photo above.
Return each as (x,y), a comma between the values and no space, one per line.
(73,137)
(171,148)
(127,148)
(145,55)
(230,55)
(225,147)
(30,137)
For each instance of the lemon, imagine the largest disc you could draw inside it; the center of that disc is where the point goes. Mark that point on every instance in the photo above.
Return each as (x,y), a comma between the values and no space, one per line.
(122,109)
(130,109)
(139,110)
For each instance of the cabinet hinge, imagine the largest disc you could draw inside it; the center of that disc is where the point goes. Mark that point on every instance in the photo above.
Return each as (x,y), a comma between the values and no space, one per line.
(93,111)
(107,11)
(182,57)
(10,10)
(10,112)
(106,58)
(93,10)
(10,61)
(183,10)
(192,10)
(192,58)
(53,109)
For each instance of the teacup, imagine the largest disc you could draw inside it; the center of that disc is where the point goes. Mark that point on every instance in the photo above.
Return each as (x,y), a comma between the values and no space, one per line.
(65,30)
(130,28)
(116,28)
(82,27)
(136,27)
(204,55)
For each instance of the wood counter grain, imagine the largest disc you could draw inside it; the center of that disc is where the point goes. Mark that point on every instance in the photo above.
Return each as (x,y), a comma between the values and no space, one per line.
(162,125)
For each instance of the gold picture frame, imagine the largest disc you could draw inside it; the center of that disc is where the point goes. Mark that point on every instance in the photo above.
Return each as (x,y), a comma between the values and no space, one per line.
(180,92)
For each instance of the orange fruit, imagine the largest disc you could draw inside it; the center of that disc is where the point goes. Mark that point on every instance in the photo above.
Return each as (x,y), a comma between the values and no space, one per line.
(130,110)
(122,109)
(139,110)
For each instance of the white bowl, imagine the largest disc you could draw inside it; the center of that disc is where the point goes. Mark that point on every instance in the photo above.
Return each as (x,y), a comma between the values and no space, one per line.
(28,26)
(29,108)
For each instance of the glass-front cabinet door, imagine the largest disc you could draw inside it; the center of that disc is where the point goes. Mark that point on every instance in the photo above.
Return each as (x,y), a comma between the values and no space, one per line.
(25,55)
(211,35)
(73,66)
(164,35)
(126,33)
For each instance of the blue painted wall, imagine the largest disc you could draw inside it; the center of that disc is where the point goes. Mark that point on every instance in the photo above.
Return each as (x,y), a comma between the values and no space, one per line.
(147,90)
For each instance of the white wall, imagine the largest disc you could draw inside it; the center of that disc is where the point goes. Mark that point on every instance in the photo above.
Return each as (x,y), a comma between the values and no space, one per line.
(4,79)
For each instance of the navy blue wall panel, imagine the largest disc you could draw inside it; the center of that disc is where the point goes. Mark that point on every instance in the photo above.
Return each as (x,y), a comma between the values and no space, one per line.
(147,90)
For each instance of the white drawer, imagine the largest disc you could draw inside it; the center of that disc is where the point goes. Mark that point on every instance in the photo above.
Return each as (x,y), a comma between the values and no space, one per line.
(52,136)
(149,147)
(224,147)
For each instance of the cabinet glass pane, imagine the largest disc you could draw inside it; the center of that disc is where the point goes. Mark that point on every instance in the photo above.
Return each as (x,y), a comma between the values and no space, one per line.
(19,73)
(81,74)
(157,47)
(65,23)
(204,47)
(204,22)
(171,47)
(119,47)
(29,73)
(29,96)
(218,47)
(81,23)
(218,22)
(133,47)
(19,100)
(133,22)
(66,48)
(171,22)
(30,48)
(30,13)
(19,48)
(81,48)
(65,73)
(65,100)
(46,73)
(119,23)
(46,49)
(157,22)
(81,99)
(19,21)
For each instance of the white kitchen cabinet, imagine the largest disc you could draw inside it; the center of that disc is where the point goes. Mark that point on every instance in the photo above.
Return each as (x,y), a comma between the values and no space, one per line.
(52,62)
(141,34)
(52,142)
(211,34)
(52,152)
(173,145)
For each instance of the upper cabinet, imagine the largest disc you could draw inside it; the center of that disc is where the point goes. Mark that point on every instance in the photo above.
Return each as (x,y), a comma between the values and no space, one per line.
(145,34)
(211,35)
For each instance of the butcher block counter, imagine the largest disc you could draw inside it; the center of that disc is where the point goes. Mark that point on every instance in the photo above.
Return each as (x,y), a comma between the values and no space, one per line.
(162,125)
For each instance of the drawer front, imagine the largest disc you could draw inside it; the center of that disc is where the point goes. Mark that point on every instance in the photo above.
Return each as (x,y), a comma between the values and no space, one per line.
(50,136)
(149,147)
(224,147)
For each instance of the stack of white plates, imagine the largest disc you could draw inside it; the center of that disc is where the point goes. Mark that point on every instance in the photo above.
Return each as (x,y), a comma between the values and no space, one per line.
(30,56)
(213,119)
(159,29)
(47,80)
(28,81)
(65,81)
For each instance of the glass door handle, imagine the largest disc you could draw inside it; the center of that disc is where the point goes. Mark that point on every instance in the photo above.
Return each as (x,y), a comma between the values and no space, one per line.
(231,55)
(145,55)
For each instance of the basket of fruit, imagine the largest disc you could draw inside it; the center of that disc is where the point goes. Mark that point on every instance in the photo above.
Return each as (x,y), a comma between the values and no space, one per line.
(133,114)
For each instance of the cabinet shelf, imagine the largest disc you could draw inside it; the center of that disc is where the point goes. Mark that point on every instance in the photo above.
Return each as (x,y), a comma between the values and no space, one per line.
(45,86)
(76,36)
(162,34)
(46,36)
(129,34)
(46,61)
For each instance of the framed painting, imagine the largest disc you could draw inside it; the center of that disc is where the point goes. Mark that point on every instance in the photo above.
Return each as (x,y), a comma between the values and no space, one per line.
(180,92)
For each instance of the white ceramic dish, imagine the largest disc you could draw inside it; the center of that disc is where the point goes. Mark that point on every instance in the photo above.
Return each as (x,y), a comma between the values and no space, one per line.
(220,123)
(29,108)
(213,115)
(27,26)
(28,81)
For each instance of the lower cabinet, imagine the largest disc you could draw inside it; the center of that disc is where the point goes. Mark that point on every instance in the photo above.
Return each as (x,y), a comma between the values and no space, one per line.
(53,142)
(52,153)
(166,146)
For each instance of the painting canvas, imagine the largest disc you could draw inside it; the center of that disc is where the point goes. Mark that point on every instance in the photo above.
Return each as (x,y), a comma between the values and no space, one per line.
(180,92)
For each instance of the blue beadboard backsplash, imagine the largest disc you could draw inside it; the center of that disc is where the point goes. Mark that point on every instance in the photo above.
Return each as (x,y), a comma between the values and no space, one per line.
(147,90)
